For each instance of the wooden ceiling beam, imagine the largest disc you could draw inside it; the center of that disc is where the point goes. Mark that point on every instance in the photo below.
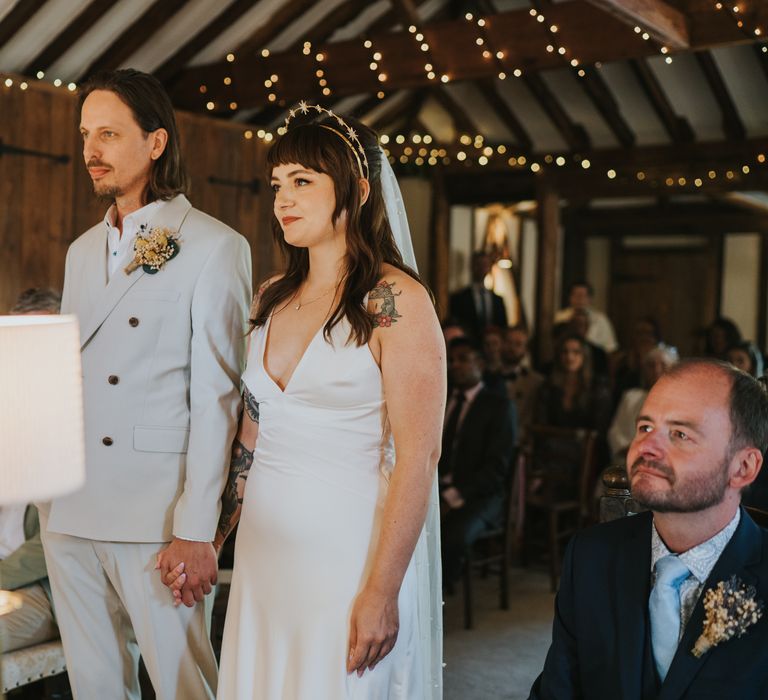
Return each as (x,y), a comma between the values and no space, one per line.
(389,115)
(136,35)
(92,12)
(462,122)
(573,134)
(664,23)
(677,127)
(491,94)
(286,14)
(590,34)
(603,99)
(171,67)
(733,126)
(21,13)
(761,52)
(406,11)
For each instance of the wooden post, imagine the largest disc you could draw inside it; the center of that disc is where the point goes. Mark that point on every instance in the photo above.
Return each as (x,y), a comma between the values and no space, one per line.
(548,267)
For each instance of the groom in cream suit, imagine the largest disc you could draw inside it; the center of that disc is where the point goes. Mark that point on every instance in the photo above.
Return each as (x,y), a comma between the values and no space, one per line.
(162,292)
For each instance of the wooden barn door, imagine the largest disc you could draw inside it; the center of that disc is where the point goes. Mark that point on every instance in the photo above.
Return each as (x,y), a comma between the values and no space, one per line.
(678,286)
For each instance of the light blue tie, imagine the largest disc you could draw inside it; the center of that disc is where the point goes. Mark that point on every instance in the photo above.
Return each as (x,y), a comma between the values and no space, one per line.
(664,606)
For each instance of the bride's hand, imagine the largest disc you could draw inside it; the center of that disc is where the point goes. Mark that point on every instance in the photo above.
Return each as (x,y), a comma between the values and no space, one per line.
(175,580)
(372,630)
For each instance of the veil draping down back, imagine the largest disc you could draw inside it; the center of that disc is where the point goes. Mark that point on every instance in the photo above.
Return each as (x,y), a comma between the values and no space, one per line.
(427,552)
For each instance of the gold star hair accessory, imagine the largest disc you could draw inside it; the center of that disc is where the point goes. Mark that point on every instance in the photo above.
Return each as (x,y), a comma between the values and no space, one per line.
(344,132)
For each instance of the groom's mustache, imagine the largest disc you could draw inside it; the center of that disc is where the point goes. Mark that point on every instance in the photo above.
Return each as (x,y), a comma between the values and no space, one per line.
(660,467)
(96,163)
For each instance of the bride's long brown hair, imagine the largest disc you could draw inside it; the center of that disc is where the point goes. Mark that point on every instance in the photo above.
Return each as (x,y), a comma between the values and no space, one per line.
(370,242)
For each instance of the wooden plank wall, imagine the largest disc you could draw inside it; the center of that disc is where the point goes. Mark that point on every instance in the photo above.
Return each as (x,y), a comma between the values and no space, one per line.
(45,205)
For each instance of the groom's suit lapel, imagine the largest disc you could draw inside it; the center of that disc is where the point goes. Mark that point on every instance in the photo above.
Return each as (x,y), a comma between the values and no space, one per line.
(741,553)
(171,216)
(632,586)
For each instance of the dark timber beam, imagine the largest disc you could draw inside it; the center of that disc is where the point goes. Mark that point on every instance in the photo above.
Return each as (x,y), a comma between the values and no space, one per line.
(390,115)
(91,14)
(573,134)
(601,97)
(491,94)
(136,35)
(21,13)
(677,127)
(662,21)
(732,124)
(168,70)
(462,122)
(286,14)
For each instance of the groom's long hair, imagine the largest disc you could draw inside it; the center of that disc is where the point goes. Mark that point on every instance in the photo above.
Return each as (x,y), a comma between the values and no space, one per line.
(370,242)
(152,110)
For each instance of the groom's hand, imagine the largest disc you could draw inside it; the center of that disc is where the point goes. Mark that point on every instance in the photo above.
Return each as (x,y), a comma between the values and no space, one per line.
(200,567)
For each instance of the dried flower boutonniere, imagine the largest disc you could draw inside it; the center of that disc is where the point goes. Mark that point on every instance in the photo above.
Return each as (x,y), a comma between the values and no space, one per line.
(152,249)
(730,609)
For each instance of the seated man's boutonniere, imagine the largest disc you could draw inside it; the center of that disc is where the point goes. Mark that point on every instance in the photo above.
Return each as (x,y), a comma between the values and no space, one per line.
(730,608)
(152,249)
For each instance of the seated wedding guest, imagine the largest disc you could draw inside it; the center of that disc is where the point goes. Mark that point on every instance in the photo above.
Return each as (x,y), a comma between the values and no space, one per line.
(22,564)
(628,364)
(37,300)
(476,307)
(492,375)
(579,324)
(451,329)
(622,430)
(721,334)
(573,396)
(522,382)
(478,447)
(600,330)
(747,357)
(669,603)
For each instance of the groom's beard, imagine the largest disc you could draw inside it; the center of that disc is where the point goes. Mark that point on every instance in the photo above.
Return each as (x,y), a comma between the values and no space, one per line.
(104,192)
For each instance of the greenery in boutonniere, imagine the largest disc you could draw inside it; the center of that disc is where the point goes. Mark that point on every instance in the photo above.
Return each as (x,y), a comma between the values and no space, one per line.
(152,249)
(730,609)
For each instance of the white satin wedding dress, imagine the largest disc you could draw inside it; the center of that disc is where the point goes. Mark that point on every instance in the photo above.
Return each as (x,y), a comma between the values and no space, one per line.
(309,524)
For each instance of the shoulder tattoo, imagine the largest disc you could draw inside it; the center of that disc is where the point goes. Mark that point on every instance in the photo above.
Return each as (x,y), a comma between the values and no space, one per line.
(383,297)
(251,405)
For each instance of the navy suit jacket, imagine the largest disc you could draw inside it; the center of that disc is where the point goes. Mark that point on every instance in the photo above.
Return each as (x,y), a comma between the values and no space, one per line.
(462,309)
(600,639)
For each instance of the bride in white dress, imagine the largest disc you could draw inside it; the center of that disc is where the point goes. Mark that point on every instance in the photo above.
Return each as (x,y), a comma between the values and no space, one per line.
(334,594)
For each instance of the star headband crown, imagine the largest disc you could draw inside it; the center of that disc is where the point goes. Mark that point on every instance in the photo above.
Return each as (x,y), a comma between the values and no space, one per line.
(345,132)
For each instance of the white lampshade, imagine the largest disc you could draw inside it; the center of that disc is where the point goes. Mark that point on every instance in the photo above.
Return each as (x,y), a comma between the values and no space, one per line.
(42,447)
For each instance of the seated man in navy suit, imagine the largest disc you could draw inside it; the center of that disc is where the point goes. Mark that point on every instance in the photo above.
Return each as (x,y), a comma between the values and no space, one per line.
(630,609)
(479,439)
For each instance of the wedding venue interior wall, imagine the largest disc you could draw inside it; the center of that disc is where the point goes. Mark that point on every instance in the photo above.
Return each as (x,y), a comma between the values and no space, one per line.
(620,140)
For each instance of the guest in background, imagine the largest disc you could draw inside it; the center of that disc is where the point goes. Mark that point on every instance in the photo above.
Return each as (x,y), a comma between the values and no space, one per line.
(476,307)
(579,324)
(747,357)
(479,437)
(452,329)
(622,430)
(573,396)
(492,375)
(37,301)
(22,564)
(600,330)
(522,382)
(628,364)
(721,334)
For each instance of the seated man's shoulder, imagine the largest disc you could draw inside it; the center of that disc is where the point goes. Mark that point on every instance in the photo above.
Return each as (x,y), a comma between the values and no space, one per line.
(614,534)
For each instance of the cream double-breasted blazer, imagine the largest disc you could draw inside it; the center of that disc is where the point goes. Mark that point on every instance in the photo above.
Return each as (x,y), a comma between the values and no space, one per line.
(162,357)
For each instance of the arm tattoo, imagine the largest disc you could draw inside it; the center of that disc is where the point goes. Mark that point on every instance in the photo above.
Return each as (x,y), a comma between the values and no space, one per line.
(386,313)
(251,405)
(239,466)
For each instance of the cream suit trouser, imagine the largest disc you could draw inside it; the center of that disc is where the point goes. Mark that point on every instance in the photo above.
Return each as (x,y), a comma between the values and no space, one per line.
(111,606)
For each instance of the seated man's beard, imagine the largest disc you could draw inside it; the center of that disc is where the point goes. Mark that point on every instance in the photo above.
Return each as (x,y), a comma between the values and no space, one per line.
(694,493)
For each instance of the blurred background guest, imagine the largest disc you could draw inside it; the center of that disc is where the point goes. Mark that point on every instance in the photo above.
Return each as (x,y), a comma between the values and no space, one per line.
(747,357)
(479,437)
(628,363)
(622,430)
(579,324)
(600,331)
(721,334)
(475,307)
(521,380)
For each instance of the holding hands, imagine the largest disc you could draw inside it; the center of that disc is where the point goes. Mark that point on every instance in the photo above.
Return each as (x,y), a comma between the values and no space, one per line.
(189,569)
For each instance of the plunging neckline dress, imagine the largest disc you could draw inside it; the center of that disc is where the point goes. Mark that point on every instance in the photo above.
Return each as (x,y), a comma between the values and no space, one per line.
(308,529)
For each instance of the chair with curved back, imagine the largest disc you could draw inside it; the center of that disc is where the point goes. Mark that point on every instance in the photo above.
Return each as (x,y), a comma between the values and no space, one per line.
(560,475)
